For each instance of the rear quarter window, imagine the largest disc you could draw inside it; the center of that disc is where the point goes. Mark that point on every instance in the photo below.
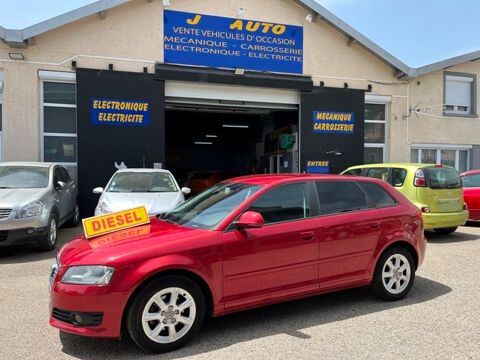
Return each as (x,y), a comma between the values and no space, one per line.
(377,196)
(398,177)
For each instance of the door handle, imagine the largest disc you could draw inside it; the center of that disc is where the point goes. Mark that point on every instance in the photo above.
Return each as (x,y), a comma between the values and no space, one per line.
(375,225)
(308,235)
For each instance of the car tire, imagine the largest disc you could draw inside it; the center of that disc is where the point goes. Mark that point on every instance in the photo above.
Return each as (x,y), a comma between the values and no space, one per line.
(394,274)
(446,231)
(49,241)
(157,323)
(75,219)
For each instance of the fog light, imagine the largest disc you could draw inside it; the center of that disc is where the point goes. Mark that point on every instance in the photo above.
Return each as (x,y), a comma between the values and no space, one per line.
(78,319)
(30,231)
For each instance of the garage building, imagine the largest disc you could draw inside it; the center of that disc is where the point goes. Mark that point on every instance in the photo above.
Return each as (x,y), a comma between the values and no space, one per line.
(234,87)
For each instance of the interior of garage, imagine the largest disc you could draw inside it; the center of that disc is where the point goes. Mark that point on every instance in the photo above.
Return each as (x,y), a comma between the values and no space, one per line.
(208,143)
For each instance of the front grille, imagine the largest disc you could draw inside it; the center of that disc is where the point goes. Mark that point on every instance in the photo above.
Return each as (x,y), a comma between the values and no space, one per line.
(5,213)
(3,235)
(78,318)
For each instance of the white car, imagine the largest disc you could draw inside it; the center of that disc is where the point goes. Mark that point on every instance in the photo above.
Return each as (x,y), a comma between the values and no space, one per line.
(156,189)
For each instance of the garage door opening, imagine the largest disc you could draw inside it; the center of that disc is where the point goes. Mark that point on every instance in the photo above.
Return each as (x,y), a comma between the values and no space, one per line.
(206,144)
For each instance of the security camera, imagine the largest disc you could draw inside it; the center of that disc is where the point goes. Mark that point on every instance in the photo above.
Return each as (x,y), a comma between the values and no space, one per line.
(309,18)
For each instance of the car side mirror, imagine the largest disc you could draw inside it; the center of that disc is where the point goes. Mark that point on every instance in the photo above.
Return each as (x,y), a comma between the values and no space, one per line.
(60,185)
(186,190)
(250,220)
(98,190)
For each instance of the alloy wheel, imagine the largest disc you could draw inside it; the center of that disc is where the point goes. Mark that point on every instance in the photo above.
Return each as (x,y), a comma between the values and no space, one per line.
(396,274)
(169,315)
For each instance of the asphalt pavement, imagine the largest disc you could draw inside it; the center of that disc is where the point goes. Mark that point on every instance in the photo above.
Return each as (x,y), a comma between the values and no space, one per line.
(440,318)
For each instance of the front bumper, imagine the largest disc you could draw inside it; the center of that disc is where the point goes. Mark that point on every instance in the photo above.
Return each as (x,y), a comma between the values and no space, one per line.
(25,236)
(68,300)
(444,220)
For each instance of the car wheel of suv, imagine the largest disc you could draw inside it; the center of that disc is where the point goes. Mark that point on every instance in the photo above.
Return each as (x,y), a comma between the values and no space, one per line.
(394,274)
(165,314)
(446,231)
(49,241)
(75,219)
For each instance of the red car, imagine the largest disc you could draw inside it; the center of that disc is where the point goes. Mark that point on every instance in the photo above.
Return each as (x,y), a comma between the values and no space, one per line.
(471,192)
(244,243)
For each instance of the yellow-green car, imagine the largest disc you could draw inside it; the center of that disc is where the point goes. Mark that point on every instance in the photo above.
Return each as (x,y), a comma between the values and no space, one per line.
(435,189)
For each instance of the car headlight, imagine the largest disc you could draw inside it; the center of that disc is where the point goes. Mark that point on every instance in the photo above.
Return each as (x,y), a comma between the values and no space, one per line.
(102,208)
(34,208)
(88,275)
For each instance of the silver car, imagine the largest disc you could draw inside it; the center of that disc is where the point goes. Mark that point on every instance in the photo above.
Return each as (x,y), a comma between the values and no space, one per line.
(35,199)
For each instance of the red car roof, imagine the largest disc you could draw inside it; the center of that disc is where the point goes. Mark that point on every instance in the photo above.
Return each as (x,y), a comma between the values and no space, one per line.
(470,172)
(268,179)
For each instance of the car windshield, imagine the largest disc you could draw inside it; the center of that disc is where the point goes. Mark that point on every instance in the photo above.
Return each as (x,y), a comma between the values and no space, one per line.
(442,178)
(23,177)
(142,182)
(209,208)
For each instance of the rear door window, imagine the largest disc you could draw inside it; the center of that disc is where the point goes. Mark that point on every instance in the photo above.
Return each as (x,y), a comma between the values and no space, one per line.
(471,181)
(284,203)
(442,178)
(353,172)
(339,196)
(378,173)
(377,196)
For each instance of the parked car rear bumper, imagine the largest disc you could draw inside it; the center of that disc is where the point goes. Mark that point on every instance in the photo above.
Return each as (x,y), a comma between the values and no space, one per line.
(444,220)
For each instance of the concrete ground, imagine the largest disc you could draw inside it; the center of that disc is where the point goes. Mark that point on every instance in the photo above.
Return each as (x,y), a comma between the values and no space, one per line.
(440,319)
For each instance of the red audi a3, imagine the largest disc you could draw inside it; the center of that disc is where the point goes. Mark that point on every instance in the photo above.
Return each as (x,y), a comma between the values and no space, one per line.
(243,243)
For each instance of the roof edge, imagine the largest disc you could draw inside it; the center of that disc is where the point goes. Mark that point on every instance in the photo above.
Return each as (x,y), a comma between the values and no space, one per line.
(443,64)
(19,37)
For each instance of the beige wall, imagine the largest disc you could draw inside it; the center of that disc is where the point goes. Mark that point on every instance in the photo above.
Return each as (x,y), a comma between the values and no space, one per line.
(427,124)
(130,37)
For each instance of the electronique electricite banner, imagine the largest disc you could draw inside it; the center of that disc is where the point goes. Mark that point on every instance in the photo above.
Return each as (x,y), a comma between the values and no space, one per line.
(333,122)
(214,41)
(115,112)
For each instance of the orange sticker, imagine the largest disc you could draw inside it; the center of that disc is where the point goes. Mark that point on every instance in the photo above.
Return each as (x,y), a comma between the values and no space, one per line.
(104,224)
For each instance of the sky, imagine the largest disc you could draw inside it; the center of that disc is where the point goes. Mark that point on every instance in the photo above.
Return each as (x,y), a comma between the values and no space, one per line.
(418,32)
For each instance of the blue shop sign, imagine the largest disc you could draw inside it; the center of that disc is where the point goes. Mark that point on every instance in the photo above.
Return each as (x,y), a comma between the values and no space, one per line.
(333,122)
(214,41)
(115,112)
(318,167)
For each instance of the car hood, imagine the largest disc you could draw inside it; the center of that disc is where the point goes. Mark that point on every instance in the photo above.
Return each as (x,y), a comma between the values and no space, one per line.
(155,203)
(128,246)
(15,198)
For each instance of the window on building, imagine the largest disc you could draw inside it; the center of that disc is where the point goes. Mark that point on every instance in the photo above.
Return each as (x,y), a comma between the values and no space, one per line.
(59,116)
(375,130)
(457,158)
(459,94)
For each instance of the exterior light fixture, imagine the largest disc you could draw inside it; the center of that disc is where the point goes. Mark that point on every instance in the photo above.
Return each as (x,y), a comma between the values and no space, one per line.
(203,143)
(309,18)
(241,13)
(16,56)
(211,136)
(239,71)
(166,3)
(235,126)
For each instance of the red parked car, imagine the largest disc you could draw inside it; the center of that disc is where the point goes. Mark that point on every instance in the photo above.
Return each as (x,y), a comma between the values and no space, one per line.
(243,243)
(471,192)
